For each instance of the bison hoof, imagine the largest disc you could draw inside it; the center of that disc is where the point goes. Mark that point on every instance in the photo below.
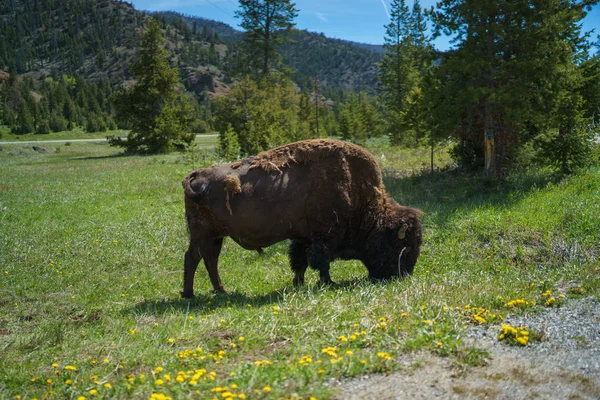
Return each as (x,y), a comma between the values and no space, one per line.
(187,295)
(327,283)
(220,291)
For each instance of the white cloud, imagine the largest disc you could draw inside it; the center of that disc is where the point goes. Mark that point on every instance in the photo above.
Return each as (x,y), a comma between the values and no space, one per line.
(321,16)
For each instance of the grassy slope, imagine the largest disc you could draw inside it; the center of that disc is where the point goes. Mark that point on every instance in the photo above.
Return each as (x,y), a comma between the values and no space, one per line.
(91,254)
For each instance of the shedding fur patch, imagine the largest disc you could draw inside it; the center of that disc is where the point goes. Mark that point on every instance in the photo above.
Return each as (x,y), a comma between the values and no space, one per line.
(303,152)
(233,186)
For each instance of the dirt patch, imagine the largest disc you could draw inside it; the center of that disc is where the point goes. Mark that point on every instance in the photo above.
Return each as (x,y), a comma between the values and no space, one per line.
(505,377)
(565,366)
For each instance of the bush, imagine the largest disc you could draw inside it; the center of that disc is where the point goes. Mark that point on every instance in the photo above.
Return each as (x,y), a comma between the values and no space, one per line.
(95,123)
(58,123)
(43,127)
(199,126)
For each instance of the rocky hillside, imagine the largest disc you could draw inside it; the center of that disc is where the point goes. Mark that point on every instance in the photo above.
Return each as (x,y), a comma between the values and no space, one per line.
(97,39)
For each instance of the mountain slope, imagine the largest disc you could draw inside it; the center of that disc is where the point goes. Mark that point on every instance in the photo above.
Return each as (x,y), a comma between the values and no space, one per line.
(97,39)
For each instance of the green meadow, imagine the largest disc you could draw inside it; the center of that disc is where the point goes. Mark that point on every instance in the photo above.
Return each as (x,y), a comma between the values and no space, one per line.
(91,266)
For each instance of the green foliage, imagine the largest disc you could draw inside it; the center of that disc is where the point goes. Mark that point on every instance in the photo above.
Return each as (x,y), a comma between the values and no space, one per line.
(263,116)
(404,68)
(359,119)
(43,127)
(58,104)
(157,113)
(267,24)
(511,80)
(229,147)
(571,147)
(63,35)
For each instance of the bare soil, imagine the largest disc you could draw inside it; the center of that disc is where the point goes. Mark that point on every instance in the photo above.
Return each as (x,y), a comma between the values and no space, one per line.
(565,365)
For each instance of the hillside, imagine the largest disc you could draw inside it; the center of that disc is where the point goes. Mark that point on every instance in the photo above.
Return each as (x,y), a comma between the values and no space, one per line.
(97,39)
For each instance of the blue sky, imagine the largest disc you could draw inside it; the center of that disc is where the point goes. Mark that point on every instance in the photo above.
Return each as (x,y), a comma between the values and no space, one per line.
(356,20)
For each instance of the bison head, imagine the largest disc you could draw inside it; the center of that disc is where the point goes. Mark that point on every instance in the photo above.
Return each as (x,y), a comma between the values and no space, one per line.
(395,243)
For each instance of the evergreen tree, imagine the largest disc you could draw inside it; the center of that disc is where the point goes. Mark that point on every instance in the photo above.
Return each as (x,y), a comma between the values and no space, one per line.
(407,59)
(229,147)
(510,77)
(267,24)
(157,113)
(262,115)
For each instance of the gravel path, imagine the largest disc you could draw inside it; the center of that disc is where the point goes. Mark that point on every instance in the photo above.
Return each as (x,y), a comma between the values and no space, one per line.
(565,365)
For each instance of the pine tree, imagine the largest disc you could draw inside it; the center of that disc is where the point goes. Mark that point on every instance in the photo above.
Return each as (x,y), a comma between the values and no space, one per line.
(407,59)
(267,24)
(229,147)
(157,113)
(510,77)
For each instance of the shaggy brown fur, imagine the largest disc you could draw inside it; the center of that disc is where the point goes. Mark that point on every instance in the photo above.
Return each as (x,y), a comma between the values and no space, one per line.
(233,186)
(327,196)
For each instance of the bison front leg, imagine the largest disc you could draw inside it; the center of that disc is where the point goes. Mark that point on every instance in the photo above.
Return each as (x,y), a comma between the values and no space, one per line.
(298,261)
(210,250)
(319,259)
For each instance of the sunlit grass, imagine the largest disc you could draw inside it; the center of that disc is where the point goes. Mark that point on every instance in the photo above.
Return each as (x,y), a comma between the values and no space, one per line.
(91,255)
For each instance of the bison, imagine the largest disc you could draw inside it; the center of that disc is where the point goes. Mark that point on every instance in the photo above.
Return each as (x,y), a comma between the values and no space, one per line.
(326,196)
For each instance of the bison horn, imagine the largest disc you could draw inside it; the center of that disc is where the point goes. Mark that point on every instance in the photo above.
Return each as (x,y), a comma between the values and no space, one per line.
(402,232)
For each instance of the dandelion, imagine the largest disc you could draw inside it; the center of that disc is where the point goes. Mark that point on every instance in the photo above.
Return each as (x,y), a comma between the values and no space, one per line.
(342,338)
(348,352)
(55,365)
(93,392)
(403,315)
(267,389)
(107,385)
(159,382)
(132,331)
(241,338)
(70,368)
(68,382)
(522,340)
(81,398)
(363,362)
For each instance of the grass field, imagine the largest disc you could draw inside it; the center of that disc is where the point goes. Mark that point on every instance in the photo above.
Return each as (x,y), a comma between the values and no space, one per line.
(91,256)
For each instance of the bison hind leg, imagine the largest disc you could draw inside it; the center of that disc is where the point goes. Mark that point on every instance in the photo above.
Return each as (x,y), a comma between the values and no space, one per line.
(298,261)
(192,258)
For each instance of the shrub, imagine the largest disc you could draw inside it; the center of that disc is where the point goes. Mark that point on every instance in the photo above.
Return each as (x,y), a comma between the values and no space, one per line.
(43,127)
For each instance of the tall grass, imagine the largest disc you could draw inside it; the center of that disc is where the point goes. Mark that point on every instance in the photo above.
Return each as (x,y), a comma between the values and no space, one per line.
(92,244)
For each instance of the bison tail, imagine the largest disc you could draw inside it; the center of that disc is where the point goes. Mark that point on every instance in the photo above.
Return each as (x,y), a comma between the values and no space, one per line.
(195,192)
